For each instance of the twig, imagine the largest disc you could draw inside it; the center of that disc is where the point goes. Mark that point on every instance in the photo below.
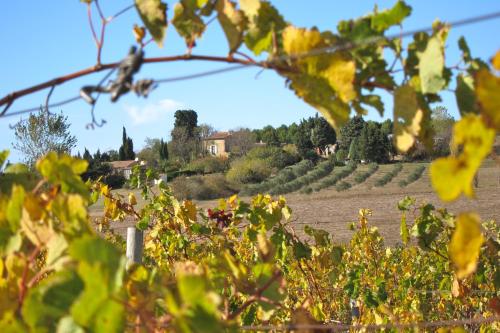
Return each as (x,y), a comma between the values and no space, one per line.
(124,10)
(256,296)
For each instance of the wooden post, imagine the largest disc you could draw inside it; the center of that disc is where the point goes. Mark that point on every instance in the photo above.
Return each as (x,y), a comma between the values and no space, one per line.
(134,245)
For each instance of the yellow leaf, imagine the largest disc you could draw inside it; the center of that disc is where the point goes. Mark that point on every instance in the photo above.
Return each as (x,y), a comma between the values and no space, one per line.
(407,117)
(190,209)
(451,176)
(340,73)
(466,244)
(139,33)
(496,61)
(297,41)
(324,81)
(233,23)
(131,199)
(488,95)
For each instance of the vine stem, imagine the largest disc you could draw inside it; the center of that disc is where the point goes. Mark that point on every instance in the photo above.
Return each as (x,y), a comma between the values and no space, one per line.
(257,296)
(8,99)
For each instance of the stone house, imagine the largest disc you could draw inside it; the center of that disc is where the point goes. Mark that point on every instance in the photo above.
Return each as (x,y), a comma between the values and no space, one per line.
(217,144)
(124,168)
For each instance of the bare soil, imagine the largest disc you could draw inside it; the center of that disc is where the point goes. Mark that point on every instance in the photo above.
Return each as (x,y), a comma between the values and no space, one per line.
(333,211)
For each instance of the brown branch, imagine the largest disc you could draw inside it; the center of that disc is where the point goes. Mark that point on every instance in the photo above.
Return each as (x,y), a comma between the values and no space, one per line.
(8,99)
(94,34)
(256,296)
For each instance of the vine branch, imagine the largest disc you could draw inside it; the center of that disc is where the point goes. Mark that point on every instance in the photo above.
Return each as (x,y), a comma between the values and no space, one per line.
(10,98)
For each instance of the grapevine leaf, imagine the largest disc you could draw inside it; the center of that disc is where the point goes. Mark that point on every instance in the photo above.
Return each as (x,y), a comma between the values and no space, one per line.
(326,82)
(64,170)
(233,23)
(340,73)
(487,88)
(404,230)
(431,67)
(301,251)
(3,157)
(17,168)
(265,25)
(464,93)
(187,22)
(453,175)
(51,299)
(68,325)
(139,33)
(374,101)
(462,45)
(465,244)
(101,268)
(496,61)
(15,207)
(381,21)
(153,14)
(407,117)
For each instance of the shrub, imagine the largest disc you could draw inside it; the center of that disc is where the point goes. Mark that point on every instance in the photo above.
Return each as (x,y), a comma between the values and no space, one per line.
(321,170)
(341,155)
(207,187)
(114,181)
(342,186)
(336,176)
(362,176)
(306,190)
(276,157)
(208,164)
(389,176)
(413,176)
(246,171)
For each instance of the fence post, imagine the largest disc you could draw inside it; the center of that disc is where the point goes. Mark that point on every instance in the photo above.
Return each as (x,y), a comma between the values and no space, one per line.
(134,245)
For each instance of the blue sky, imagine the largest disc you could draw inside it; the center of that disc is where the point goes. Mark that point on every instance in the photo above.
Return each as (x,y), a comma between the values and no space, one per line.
(44,39)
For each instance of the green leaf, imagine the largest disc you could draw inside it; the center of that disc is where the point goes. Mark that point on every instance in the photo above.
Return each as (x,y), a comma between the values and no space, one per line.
(465,95)
(15,207)
(3,157)
(68,325)
(232,21)
(431,67)
(187,22)
(462,45)
(153,14)
(301,251)
(381,21)
(17,168)
(51,299)
(64,170)
(374,101)
(265,25)
(101,267)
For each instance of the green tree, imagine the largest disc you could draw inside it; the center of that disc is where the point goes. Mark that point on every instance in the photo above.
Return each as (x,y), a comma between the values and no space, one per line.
(163,150)
(187,119)
(41,133)
(87,156)
(303,137)
(322,134)
(270,136)
(372,145)
(350,131)
(442,124)
(126,151)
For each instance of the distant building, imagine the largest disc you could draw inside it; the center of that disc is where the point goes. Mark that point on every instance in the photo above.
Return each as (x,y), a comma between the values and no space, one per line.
(124,168)
(217,144)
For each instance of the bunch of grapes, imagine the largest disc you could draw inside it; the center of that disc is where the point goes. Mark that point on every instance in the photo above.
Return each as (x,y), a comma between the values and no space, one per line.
(222,218)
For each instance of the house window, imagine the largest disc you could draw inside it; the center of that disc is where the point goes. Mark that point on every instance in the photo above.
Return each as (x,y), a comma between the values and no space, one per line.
(213,149)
